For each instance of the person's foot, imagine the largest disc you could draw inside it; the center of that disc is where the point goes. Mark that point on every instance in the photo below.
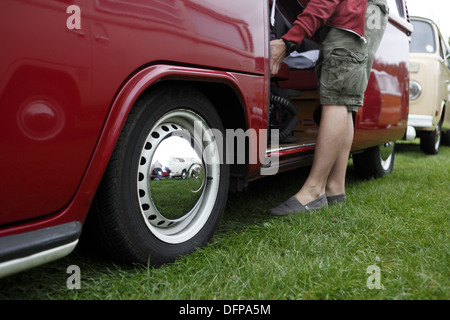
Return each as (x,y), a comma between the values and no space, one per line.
(336,199)
(293,206)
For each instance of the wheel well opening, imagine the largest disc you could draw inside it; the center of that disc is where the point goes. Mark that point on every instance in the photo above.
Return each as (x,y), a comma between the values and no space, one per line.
(231,111)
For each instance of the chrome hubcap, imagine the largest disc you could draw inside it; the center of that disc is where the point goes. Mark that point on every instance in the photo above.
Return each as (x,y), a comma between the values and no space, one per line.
(177,155)
(177,188)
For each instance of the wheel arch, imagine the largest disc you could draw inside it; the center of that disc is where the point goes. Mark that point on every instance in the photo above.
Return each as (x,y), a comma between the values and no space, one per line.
(220,87)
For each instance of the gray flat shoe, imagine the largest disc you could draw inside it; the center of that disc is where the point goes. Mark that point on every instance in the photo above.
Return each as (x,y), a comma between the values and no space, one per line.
(339,198)
(293,206)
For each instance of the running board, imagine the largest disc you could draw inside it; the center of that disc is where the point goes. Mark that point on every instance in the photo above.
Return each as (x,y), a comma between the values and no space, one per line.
(31,249)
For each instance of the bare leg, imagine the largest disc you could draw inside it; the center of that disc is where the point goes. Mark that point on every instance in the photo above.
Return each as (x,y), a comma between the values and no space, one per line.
(333,146)
(336,179)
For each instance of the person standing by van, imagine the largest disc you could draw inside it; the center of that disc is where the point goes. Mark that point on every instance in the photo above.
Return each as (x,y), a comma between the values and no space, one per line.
(350,33)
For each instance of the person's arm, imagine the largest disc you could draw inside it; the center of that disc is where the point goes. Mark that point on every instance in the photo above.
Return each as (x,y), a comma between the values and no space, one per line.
(315,16)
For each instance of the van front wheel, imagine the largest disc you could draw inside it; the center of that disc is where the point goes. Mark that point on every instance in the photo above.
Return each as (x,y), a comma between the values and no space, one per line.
(375,162)
(430,141)
(155,221)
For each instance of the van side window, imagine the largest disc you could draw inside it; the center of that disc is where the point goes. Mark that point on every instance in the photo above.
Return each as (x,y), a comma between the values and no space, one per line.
(423,38)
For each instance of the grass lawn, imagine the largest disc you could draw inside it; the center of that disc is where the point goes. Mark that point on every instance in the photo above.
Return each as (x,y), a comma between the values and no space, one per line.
(396,228)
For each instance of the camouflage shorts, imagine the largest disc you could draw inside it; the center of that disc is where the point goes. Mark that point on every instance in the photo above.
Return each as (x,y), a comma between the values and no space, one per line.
(346,60)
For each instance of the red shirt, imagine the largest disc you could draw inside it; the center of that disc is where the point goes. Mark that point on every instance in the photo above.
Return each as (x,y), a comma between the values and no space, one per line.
(344,14)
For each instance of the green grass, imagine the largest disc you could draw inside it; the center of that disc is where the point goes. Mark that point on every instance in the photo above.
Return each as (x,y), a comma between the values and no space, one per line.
(399,223)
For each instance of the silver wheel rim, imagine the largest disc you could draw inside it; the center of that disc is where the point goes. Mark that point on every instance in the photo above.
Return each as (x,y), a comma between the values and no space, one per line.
(176,209)
(386,151)
(437,138)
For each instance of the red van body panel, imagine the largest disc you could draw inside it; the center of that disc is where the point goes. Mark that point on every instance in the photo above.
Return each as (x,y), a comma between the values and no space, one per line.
(70,73)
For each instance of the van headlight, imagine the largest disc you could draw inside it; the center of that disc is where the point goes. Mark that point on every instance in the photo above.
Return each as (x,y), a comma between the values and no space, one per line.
(415,89)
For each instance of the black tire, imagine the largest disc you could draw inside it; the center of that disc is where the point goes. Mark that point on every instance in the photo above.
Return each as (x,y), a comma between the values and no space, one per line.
(129,222)
(375,162)
(430,141)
